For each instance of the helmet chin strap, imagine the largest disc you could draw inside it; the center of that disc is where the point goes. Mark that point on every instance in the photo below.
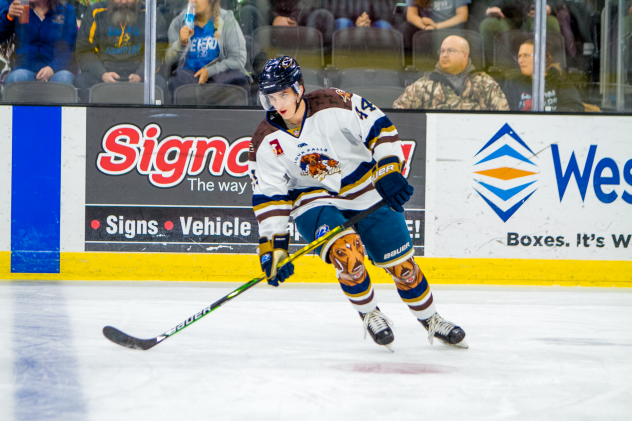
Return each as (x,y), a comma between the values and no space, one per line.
(298,103)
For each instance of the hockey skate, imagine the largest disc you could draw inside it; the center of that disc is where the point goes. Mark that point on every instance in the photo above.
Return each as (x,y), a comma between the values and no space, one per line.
(447,332)
(379,327)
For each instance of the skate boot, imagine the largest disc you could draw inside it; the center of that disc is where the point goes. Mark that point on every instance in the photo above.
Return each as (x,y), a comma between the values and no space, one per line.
(379,327)
(447,332)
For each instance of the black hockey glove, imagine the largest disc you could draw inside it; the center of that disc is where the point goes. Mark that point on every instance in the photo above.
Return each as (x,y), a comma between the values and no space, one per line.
(390,183)
(271,252)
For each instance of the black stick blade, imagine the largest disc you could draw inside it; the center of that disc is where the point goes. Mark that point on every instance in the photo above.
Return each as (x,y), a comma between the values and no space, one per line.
(123,339)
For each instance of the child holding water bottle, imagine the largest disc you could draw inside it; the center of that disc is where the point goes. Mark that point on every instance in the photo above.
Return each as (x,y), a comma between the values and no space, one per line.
(206,45)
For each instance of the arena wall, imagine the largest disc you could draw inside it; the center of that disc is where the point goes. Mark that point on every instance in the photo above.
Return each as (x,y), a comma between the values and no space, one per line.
(107,193)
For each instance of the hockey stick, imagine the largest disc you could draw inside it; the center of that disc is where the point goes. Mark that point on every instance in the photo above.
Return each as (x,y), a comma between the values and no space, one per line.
(128,341)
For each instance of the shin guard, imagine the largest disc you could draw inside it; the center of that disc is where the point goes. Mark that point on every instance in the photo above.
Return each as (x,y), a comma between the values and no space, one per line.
(413,288)
(346,253)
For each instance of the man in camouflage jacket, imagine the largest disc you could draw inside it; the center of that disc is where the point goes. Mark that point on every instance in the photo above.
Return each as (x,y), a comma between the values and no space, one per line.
(454,85)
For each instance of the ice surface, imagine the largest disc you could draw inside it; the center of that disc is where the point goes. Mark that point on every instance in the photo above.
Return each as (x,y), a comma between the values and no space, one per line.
(297,353)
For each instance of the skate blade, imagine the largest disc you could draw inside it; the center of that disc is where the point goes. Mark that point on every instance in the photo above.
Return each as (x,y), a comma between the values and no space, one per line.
(390,347)
(461,344)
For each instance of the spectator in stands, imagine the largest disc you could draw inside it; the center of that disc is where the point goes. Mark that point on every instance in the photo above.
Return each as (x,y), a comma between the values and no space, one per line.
(328,16)
(365,13)
(511,14)
(80,8)
(215,51)
(45,45)
(250,14)
(427,15)
(559,93)
(111,45)
(285,13)
(316,14)
(454,85)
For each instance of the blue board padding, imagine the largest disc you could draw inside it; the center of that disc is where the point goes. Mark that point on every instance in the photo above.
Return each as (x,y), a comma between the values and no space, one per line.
(35,189)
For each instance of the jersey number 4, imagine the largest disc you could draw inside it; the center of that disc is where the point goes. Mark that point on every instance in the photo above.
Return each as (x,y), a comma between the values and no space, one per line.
(366,105)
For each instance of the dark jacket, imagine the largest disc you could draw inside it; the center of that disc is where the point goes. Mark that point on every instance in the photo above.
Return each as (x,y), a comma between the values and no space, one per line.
(559,92)
(103,47)
(514,10)
(41,43)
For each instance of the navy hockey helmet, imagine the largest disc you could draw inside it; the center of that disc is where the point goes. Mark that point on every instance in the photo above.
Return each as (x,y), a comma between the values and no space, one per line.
(278,74)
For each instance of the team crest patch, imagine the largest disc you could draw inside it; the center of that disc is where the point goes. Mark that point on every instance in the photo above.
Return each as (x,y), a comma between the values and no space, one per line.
(322,230)
(276,147)
(286,62)
(319,166)
(344,95)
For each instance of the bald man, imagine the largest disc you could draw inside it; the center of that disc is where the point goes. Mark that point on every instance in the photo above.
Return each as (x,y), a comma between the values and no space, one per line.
(454,85)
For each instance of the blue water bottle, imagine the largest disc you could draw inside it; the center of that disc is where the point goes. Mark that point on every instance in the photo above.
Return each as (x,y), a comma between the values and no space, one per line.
(189,16)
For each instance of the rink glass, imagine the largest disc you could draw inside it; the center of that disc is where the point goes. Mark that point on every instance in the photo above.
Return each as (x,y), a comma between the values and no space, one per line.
(587,40)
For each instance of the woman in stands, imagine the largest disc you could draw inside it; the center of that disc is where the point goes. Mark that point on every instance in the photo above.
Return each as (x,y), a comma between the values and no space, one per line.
(428,15)
(45,45)
(214,51)
(559,92)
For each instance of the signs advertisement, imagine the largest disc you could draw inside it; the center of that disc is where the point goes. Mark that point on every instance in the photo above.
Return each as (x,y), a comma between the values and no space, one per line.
(531,187)
(176,180)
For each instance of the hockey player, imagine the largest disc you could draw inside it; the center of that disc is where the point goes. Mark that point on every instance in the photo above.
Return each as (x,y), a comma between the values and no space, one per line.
(322,158)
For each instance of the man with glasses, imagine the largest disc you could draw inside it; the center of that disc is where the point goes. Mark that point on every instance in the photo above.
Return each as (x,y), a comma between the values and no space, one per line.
(454,84)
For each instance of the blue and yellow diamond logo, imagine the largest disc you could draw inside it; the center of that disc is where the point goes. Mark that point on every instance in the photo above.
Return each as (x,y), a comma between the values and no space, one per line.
(505,173)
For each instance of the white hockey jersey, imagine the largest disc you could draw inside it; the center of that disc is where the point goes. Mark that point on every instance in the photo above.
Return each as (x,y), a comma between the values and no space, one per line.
(328,162)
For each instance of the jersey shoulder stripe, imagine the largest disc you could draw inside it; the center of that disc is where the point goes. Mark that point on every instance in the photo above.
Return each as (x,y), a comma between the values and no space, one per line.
(264,129)
(323,99)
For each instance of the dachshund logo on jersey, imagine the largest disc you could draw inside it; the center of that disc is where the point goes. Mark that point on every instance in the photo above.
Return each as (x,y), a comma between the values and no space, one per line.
(319,166)
(406,275)
(276,147)
(347,256)
(344,95)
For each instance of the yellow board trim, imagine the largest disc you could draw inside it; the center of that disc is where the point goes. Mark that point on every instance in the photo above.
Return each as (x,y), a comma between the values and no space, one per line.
(107,266)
